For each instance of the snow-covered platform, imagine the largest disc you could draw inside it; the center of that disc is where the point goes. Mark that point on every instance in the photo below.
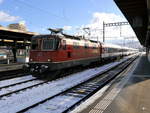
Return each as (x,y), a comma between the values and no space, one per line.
(129,93)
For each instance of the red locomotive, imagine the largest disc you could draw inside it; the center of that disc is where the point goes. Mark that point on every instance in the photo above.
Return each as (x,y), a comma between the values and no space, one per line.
(54,52)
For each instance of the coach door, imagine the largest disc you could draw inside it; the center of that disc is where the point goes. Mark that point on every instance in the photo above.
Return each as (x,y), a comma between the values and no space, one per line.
(69,52)
(65,47)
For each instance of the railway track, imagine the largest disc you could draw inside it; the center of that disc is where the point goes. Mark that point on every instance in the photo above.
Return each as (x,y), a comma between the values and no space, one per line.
(12,74)
(17,80)
(19,84)
(18,87)
(68,99)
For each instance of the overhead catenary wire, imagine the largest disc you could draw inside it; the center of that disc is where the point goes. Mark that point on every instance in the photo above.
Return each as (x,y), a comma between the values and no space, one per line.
(27,12)
(42,10)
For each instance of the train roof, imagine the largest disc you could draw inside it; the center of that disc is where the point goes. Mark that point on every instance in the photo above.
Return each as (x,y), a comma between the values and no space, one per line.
(44,36)
(116,46)
(111,45)
(61,36)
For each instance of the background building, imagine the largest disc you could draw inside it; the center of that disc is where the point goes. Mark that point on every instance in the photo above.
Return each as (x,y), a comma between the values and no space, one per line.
(18,26)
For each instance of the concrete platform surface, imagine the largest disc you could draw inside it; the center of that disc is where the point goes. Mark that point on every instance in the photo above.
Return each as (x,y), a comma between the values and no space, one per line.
(132,96)
(12,66)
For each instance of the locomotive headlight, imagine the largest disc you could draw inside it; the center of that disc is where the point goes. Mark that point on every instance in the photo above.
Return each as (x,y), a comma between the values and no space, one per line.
(49,60)
(31,60)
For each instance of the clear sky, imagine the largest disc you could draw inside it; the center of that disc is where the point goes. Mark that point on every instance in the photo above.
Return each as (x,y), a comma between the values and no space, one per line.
(38,15)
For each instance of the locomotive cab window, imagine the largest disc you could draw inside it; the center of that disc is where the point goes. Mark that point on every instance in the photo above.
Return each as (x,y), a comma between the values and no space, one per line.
(35,45)
(50,44)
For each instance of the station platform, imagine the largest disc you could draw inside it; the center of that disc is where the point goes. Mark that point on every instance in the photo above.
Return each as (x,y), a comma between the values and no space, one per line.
(9,67)
(129,93)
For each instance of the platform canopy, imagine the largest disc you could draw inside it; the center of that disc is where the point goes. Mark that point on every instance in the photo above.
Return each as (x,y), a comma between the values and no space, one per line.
(11,37)
(13,34)
(136,13)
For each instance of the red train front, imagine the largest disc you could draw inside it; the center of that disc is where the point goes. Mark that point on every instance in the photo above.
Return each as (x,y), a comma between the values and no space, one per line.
(55,52)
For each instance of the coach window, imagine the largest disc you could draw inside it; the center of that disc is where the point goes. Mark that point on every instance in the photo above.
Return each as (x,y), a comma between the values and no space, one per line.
(75,45)
(86,46)
(108,50)
(64,44)
(94,47)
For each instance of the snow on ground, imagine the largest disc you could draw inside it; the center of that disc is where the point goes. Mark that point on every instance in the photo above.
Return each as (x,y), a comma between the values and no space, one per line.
(16,102)
(20,86)
(56,105)
(15,80)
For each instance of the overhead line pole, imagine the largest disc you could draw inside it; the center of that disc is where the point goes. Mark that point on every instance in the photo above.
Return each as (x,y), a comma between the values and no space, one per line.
(103,31)
(112,24)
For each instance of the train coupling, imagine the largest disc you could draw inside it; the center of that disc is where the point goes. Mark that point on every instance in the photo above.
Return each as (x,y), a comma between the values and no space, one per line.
(26,67)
